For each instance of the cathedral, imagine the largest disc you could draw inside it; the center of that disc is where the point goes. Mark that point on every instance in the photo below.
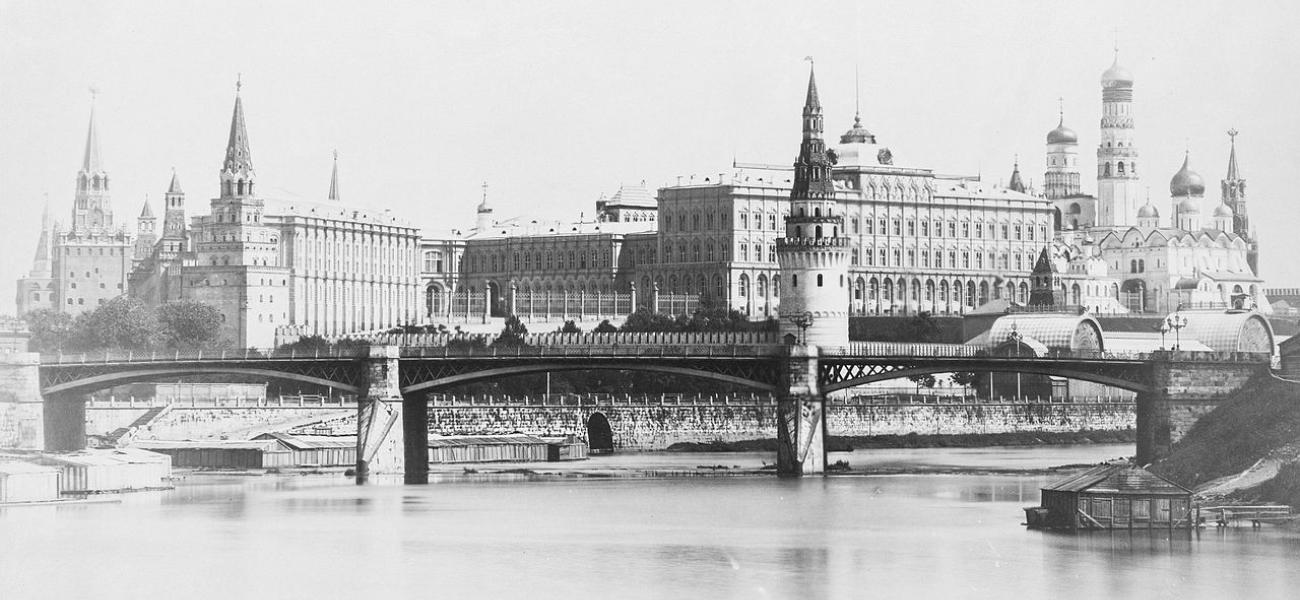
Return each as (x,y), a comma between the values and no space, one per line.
(1201,254)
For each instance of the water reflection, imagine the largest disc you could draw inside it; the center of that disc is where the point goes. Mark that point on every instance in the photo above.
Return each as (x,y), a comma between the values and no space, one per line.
(954,535)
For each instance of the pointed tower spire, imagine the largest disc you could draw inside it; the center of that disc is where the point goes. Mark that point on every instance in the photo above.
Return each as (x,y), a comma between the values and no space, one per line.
(334,178)
(1017,184)
(238,156)
(812,100)
(91,162)
(175,186)
(237,175)
(1232,156)
(41,266)
(147,211)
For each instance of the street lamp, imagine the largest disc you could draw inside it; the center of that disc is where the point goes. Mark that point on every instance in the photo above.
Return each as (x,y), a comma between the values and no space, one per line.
(1015,337)
(803,321)
(1176,322)
(1163,329)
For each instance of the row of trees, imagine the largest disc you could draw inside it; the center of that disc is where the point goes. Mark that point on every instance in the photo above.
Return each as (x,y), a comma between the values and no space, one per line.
(127,324)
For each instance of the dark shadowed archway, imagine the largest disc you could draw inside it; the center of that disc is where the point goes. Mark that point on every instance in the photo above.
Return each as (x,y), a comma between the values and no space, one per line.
(600,438)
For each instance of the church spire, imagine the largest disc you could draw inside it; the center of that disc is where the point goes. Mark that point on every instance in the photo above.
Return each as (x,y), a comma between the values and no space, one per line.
(334,178)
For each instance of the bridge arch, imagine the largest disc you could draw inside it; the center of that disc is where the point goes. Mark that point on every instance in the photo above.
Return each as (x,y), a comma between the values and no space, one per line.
(600,436)
(108,380)
(508,371)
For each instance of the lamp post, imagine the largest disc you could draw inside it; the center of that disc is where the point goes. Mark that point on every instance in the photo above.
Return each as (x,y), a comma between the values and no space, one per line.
(1176,322)
(803,321)
(1015,337)
(1163,329)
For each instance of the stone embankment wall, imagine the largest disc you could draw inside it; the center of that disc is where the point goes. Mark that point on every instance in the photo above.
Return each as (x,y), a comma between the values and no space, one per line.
(655,422)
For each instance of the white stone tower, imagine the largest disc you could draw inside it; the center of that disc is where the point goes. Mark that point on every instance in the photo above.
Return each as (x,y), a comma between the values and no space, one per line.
(813,254)
(1118,185)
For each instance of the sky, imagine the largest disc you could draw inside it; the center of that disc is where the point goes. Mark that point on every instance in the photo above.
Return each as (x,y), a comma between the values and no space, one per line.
(553,104)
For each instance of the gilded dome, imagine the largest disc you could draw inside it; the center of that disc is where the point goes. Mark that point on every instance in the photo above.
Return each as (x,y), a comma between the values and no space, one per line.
(1222,211)
(1116,75)
(1148,211)
(1186,183)
(1062,135)
(1188,206)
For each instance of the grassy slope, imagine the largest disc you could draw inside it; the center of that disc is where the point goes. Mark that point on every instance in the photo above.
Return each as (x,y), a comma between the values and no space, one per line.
(1260,420)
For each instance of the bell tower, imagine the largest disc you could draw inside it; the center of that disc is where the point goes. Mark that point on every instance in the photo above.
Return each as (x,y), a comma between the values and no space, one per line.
(1118,184)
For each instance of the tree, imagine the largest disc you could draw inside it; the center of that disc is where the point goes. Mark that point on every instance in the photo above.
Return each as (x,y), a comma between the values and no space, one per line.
(308,345)
(189,326)
(49,329)
(966,378)
(513,335)
(570,327)
(923,328)
(926,381)
(605,327)
(123,323)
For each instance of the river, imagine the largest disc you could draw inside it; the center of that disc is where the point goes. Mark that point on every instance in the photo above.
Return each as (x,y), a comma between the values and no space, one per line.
(476,536)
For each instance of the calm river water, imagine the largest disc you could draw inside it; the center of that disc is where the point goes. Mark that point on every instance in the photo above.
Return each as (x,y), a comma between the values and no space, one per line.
(915,536)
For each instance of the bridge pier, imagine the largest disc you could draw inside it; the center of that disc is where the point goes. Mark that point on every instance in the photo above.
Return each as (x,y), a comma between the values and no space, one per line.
(21,409)
(65,422)
(800,416)
(381,420)
(1184,387)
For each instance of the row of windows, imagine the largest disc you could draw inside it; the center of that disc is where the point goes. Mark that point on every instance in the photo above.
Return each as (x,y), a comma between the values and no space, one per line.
(531,261)
(113,251)
(696,221)
(938,259)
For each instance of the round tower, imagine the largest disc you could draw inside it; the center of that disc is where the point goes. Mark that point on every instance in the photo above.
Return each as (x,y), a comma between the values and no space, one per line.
(813,255)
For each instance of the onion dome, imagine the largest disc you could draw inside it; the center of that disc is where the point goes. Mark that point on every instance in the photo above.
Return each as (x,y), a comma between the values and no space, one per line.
(857,134)
(1116,75)
(1222,211)
(1188,206)
(1186,182)
(1148,211)
(1062,134)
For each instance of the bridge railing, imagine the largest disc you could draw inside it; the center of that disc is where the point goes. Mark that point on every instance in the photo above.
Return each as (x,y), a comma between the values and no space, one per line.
(646,351)
(59,358)
(908,350)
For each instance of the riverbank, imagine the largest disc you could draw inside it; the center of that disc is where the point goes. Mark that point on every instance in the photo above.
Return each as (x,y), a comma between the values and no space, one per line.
(916,440)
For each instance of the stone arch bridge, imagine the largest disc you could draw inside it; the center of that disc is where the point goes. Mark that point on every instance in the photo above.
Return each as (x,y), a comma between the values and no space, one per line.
(392,382)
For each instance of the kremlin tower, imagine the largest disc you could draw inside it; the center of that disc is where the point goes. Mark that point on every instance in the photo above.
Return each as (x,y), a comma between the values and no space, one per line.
(813,254)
